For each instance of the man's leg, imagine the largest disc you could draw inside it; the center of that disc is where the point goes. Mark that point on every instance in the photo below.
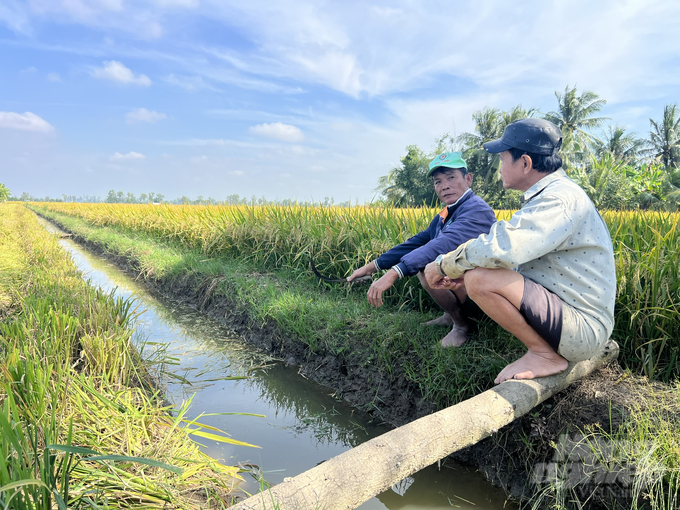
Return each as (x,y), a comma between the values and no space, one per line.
(499,293)
(453,316)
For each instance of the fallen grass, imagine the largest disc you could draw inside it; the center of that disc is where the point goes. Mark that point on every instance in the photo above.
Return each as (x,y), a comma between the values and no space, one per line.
(81,423)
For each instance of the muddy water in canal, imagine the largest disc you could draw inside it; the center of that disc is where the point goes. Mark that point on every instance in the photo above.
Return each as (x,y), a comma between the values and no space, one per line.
(304,424)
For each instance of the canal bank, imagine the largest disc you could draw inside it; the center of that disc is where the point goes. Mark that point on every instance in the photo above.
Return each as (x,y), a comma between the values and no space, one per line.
(602,403)
(301,423)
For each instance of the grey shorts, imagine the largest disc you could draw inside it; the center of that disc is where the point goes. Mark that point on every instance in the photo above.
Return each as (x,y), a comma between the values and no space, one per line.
(543,311)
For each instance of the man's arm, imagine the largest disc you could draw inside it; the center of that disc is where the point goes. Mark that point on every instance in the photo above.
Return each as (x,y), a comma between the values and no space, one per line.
(471,223)
(539,228)
(365,270)
(394,255)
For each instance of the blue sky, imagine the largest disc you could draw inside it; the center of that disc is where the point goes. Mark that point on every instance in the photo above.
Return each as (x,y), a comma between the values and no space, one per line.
(293,99)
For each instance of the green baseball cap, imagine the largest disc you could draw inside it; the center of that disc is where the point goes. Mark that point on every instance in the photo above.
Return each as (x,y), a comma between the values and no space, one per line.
(449,160)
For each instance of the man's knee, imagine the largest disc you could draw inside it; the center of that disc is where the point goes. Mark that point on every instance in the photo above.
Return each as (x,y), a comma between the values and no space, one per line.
(422,280)
(480,280)
(482,283)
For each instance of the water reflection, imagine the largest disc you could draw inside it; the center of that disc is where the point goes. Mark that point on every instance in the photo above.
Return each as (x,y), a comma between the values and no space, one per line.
(304,425)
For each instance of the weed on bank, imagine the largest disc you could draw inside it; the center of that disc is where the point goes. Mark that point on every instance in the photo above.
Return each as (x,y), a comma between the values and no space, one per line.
(82,426)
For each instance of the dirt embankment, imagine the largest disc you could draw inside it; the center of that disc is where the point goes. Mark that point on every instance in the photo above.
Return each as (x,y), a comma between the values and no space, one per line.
(508,459)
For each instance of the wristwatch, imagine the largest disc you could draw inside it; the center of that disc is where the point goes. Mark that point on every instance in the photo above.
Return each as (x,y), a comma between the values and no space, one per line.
(438,264)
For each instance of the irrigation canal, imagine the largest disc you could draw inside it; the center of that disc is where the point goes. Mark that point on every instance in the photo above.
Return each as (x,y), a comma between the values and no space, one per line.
(303,425)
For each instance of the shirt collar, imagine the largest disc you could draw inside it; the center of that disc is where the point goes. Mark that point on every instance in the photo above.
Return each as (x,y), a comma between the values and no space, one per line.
(445,212)
(469,190)
(542,184)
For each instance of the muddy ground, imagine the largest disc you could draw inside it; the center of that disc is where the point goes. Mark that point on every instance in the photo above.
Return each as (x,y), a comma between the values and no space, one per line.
(508,459)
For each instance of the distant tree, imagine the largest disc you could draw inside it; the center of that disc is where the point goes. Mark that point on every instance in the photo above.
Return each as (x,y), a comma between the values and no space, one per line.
(408,185)
(575,117)
(25,197)
(489,125)
(621,145)
(5,193)
(156,198)
(111,197)
(143,198)
(608,181)
(665,137)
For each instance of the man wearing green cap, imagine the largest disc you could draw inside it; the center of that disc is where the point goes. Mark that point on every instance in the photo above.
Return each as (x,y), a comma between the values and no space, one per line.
(547,275)
(465,217)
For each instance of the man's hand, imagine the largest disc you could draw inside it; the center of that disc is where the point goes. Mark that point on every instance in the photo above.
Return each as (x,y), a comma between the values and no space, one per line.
(376,291)
(363,271)
(437,281)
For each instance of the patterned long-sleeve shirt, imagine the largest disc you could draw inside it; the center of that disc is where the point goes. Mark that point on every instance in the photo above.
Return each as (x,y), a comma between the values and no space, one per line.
(558,240)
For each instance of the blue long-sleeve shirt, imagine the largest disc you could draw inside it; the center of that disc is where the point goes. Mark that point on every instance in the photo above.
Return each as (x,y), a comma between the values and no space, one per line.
(465,220)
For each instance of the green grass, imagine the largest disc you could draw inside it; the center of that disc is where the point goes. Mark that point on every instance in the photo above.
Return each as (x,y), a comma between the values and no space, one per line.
(82,425)
(392,340)
(340,239)
(634,467)
(326,318)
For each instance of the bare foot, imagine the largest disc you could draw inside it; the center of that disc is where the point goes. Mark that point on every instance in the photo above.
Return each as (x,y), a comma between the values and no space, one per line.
(533,364)
(444,320)
(456,337)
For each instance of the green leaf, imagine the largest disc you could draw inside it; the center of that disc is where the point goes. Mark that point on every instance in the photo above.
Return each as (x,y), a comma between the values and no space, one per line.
(72,449)
(221,439)
(137,460)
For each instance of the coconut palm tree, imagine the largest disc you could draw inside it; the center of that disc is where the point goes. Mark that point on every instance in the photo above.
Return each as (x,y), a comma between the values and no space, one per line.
(489,125)
(575,116)
(4,192)
(665,137)
(621,145)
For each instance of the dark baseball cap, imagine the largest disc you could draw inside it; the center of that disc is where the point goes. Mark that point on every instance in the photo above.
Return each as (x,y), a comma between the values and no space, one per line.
(537,136)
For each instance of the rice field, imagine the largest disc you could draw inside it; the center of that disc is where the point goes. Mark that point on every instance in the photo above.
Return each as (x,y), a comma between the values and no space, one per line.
(646,245)
(82,423)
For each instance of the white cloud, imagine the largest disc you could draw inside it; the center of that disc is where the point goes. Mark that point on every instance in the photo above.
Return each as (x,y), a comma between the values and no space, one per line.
(15,15)
(116,71)
(190,83)
(28,70)
(144,115)
(236,172)
(24,122)
(279,131)
(53,77)
(127,157)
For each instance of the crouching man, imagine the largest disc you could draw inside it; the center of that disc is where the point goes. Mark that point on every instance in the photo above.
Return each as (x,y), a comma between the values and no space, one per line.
(547,275)
(464,217)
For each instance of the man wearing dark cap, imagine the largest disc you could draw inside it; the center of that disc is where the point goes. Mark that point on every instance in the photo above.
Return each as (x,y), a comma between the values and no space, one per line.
(547,275)
(464,217)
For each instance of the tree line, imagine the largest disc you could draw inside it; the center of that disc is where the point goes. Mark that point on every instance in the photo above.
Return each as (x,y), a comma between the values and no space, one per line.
(120,197)
(618,169)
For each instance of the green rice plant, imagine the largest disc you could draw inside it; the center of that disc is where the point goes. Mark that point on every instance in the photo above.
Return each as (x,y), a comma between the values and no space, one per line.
(82,425)
(648,298)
